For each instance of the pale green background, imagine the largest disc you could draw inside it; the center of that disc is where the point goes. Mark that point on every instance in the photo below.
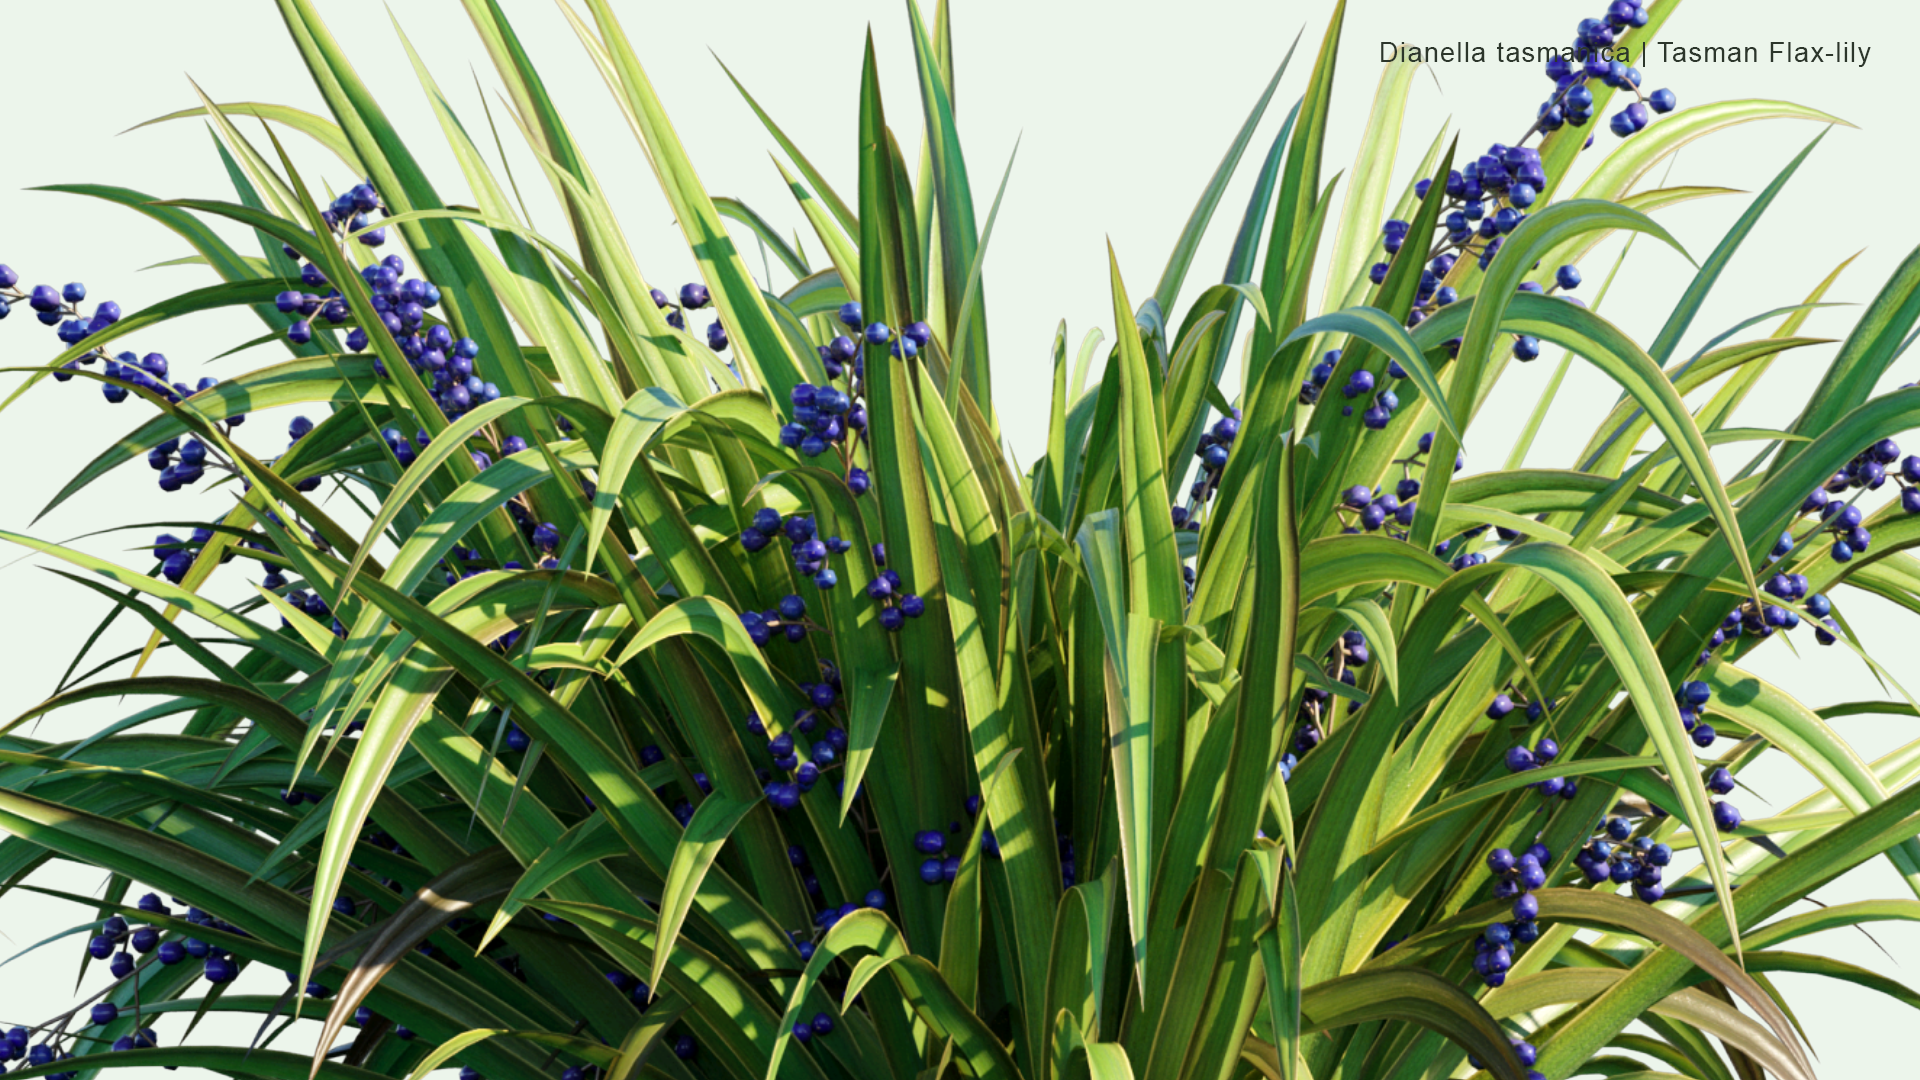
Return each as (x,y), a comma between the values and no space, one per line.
(1124,109)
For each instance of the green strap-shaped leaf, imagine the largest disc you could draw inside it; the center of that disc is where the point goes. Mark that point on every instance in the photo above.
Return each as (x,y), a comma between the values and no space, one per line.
(748,216)
(481,876)
(1483,325)
(841,212)
(1425,819)
(958,233)
(962,356)
(1572,986)
(757,341)
(444,446)
(1703,281)
(1591,908)
(1387,334)
(706,617)
(712,823)
(1636,157)
(841,251)
(586,843)
(1181,257)
(1359,228)
(1418,997)
(1622,637)
(871,695)
(1295,203)
(644,413)
(1280,962)
(318,128)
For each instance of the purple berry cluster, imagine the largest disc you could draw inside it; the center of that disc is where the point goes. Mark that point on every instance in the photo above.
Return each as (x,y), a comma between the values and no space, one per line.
(1376,509)
(810,553)
(1869,470)
(402,303)
(1517,876)
(1488,197)
(832,414)
(1523,1051)
(939,867)
(128,949)
(823,704)
(1360,382)
(61,308)
(805,942)
(1597,56)
(1761,621)
(825,417)
(1521,759)
(1615,855)
(1215,447)
(1349,654)
(636,990)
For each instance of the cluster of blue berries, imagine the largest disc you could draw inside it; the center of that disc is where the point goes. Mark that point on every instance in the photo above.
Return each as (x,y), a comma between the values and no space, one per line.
(693,297)
(1521,759)
(1592,58)
(1761,621)
(810,553)
(1348,655)
(61,308)
(1523,1051)
(1615,855)
(1378,410)
(824,417)
(1868,471)
(402,303)
(123,946)
(177,556)
(1692,698)
(1377,509)
(1488,197)
(1517,878)
(1215,447)
(939,867)
(832,414)
(15,1047)
(824,753)
(313,604)
(842,354)
(1360,382)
